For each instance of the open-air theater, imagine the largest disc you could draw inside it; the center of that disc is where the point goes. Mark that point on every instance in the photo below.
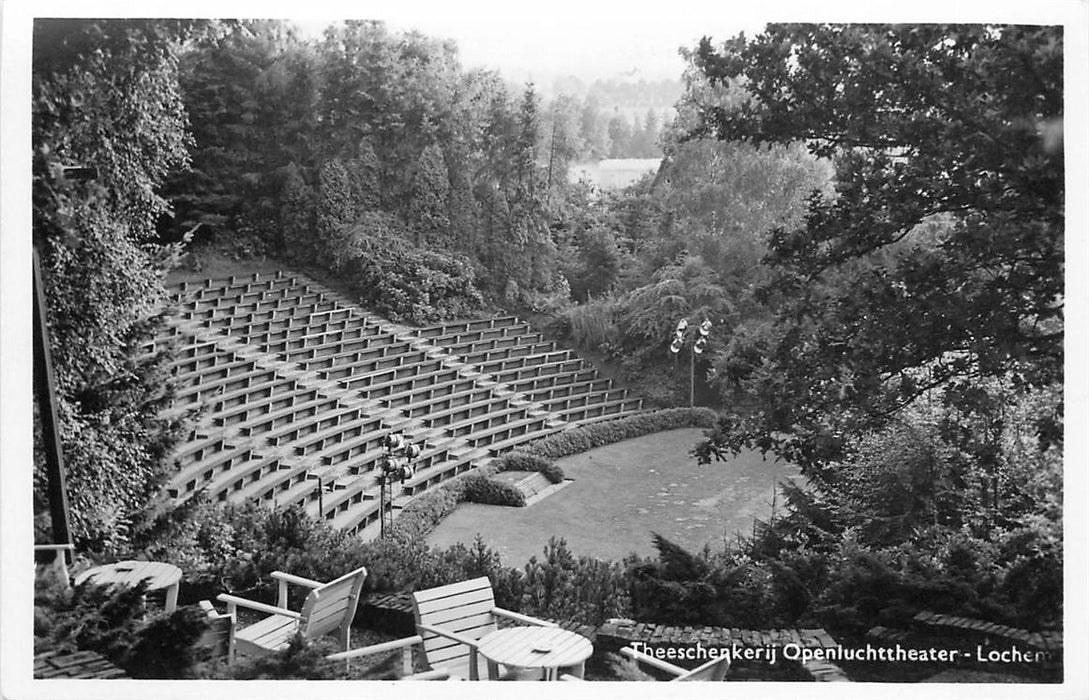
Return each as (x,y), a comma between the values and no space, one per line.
(310,401)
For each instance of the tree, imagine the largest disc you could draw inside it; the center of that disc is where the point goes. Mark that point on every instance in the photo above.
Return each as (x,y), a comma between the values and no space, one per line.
(619,136)
(297,222)
(430,193)
(250,98)
(336,212)
(106,101)
(939,258)
(365,173)
(593,131)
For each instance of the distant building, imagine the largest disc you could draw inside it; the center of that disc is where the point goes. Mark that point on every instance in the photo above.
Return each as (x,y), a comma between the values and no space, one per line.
(613,173)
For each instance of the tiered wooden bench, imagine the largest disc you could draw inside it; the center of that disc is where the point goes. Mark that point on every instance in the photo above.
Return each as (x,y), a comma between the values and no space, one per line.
(336,382)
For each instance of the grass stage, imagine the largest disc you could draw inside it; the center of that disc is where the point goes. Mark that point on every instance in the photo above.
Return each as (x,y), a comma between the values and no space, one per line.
(622,493)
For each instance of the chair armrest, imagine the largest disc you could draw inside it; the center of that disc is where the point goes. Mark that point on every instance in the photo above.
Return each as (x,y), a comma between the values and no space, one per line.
(474,672)
(284,579)
(291,578)
(210,610)
(525,619)
(376,648)
(232,601)
(439,674)
(639,656)
(460,638)
(54,547)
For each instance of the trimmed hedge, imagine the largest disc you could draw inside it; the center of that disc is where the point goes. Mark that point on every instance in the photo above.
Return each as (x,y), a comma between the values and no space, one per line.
(587,437)
(521,461)
(478,488)
(554,473)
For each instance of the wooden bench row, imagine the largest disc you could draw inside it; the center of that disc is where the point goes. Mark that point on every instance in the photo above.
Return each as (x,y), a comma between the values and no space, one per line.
(456,339)
(592,412)
(536,387)
(272,405)
(431,402)
(238,384)
(352,353)
(198,473)
(249,301)
(445,329)
(544,358)
(484,358)
(198,372)
(305,315)
(329,343)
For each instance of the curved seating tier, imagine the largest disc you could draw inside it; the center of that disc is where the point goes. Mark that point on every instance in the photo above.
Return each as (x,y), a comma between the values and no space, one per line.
(294,389)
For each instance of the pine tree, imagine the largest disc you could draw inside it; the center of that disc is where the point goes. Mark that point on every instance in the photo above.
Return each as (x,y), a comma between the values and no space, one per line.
(430,192)
(336,213)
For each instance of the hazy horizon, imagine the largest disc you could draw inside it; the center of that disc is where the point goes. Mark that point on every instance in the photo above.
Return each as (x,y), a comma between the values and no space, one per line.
(544,48)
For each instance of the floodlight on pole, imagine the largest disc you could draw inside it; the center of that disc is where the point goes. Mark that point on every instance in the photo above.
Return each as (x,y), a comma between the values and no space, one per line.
(396,465)
(698,346)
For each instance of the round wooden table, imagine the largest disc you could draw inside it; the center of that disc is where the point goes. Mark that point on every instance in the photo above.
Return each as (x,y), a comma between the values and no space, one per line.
(129,573)
(548,648)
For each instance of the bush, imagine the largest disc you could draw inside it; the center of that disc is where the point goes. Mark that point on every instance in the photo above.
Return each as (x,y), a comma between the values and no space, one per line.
(423,513)
(301,660)
(88,618)
(481,489)
(234,548)
(587,437)
(554,473)
(564,587)
(168,646)
(403,281)
(520,461)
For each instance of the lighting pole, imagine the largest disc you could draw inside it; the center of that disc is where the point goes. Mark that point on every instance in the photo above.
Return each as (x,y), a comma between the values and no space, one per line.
(697,349)
(396,465)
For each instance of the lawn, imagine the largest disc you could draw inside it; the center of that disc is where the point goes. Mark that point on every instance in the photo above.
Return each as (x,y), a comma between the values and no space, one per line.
(622,493)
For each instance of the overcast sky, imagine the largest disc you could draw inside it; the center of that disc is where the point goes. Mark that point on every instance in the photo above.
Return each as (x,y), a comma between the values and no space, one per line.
(541,46)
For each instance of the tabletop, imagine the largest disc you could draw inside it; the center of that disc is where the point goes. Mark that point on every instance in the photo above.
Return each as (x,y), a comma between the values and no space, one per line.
(128,573)
(535,647)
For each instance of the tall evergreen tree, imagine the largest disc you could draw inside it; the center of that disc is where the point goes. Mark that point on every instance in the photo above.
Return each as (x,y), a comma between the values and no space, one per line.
(430,193)
(335,214)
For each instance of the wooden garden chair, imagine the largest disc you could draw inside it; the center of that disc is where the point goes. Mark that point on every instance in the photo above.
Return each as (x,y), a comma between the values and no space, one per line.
(712,670)
(329,606)
(452,619)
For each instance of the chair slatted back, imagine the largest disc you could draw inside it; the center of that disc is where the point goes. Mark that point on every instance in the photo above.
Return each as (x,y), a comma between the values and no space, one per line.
(333,605)
(464,608)
(713,670)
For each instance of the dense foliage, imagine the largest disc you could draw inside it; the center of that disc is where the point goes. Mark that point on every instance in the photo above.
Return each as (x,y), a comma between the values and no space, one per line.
(108,125)
(373,154)
(938,258)
(116,623)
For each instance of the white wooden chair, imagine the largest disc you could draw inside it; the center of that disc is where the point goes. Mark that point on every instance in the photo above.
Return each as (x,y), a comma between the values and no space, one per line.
(713,670)
(452,619)
(329,606)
